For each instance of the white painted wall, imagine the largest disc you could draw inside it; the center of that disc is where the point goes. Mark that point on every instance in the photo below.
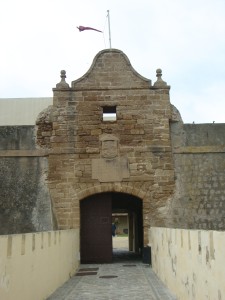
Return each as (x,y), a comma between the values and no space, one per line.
(22,111)
(190,262)
(34,265)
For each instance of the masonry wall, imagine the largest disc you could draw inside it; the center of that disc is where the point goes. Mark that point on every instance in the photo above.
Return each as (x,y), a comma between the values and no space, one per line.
(189,262)
(25,204)
(81,162)
(34,265)
(199,159)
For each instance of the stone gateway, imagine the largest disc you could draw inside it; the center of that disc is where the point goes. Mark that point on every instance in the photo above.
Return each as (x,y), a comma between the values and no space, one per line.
(112,137)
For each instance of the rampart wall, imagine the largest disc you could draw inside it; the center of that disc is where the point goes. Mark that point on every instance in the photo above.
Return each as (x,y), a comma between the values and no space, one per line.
(25,204)
(34,265)
(199,160)
(189,262)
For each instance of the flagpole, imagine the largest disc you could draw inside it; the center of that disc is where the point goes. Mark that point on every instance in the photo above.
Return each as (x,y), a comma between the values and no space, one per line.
(110,45)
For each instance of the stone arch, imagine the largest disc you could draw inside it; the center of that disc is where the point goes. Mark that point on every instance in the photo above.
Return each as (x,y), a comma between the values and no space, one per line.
(114,187)
(123,188)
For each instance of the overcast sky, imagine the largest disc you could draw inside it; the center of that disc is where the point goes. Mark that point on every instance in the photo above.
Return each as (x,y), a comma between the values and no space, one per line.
(185,38)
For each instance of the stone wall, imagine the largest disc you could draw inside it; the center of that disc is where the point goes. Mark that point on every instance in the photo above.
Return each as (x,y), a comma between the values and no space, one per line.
(25,204)
(17,137)
(199,159)
(89,155)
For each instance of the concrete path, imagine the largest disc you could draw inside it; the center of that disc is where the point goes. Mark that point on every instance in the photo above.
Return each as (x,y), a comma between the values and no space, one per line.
(126,278)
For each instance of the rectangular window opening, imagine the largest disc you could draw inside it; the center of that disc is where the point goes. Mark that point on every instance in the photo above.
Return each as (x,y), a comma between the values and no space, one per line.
(109,113)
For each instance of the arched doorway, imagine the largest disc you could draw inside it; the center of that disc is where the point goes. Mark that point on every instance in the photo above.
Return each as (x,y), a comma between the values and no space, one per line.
(96,225)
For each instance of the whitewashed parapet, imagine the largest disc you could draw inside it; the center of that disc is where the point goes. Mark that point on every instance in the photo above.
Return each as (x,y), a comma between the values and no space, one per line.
(189,262)
(34,265)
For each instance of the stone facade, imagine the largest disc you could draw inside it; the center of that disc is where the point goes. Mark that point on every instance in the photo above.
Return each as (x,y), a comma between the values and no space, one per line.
(89,155)
(176,169)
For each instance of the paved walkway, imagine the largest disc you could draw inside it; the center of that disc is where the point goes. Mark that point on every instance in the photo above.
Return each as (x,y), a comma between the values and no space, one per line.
(126,278)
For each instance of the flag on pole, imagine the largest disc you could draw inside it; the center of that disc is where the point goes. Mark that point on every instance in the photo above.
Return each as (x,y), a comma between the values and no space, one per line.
(82,28)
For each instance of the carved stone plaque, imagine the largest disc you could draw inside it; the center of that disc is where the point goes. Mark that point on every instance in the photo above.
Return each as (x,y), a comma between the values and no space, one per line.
(110,170)
(109,148)
(110,167)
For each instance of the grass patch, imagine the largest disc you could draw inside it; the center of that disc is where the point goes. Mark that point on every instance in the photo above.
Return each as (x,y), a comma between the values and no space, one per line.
(122,235)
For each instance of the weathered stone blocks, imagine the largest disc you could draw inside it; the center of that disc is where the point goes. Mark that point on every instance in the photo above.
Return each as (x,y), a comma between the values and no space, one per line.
(143,114)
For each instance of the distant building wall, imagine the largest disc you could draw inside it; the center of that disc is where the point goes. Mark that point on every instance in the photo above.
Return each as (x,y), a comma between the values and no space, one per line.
(22,111)
(189,262)
(34,265)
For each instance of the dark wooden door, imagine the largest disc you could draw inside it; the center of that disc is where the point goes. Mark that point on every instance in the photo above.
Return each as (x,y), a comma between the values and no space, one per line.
(96,229)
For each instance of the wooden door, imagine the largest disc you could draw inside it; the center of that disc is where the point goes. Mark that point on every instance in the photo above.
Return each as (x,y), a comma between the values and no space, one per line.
(96,229)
